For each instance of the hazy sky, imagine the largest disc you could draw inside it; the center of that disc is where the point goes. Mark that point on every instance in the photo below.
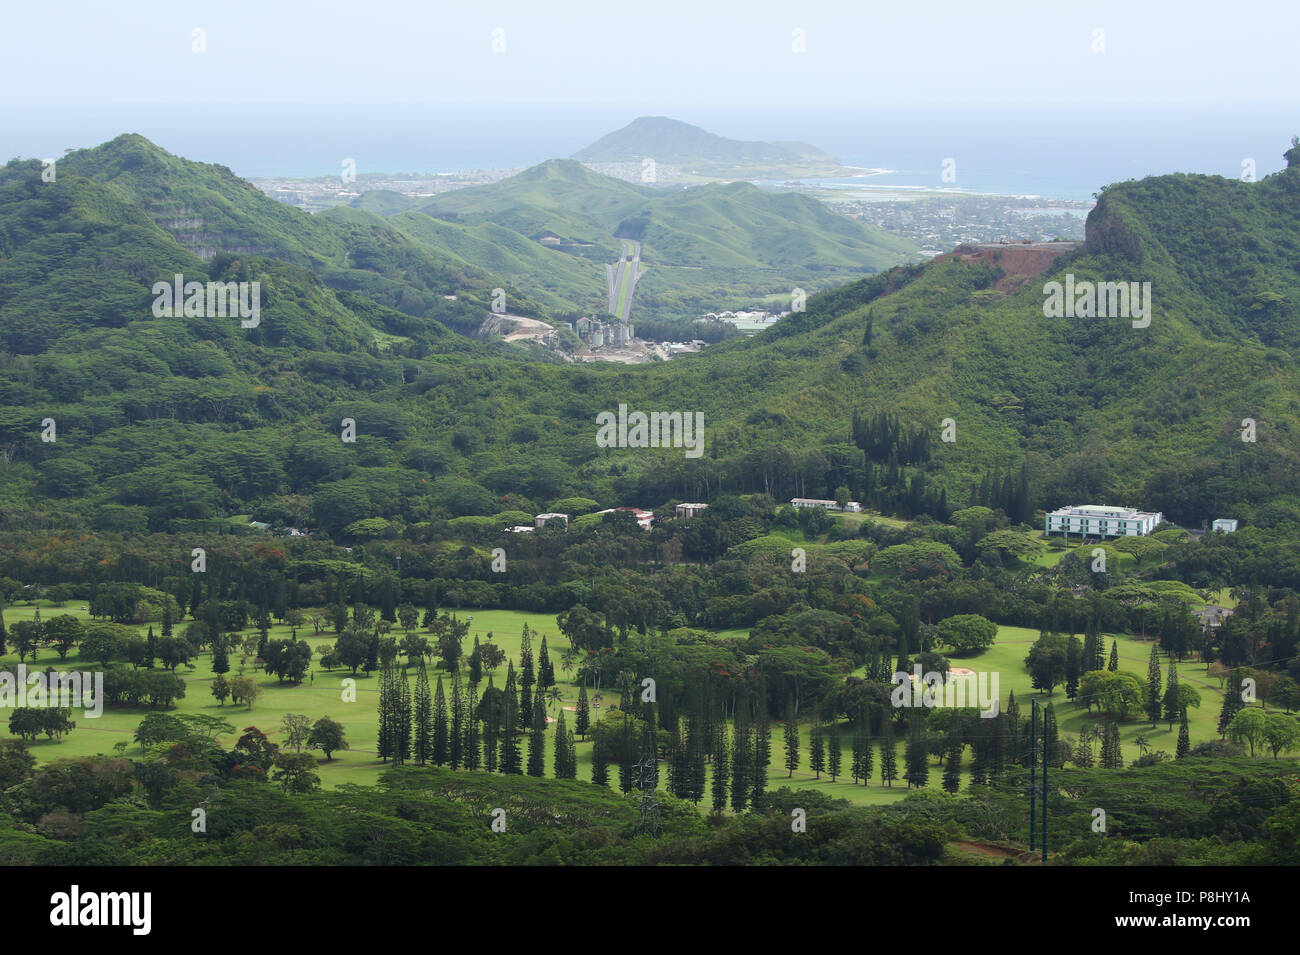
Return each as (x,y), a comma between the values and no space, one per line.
(659,56)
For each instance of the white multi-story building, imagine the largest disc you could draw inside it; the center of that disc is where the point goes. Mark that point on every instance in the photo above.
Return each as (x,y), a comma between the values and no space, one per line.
(1225,525)
(541,520)
(686,511)
(1098,520)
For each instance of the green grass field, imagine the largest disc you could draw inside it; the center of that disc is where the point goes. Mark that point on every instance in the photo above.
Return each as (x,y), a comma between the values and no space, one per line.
(322,695)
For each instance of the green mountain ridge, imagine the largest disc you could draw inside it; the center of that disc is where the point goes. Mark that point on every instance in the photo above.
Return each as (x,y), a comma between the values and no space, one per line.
(706,248)
(208,210)
(167,420)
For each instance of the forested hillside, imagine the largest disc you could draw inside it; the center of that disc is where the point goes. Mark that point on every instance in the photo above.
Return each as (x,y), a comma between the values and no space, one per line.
(708,247)
(166,419)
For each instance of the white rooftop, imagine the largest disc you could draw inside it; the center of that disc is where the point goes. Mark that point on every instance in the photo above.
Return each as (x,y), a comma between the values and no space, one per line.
(1099,510)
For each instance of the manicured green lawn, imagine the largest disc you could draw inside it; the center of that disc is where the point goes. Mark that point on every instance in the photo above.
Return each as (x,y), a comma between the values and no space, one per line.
(322,695)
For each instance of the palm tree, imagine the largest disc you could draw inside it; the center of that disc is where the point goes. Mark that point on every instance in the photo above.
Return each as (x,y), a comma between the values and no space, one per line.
(1143,745)
(553,695)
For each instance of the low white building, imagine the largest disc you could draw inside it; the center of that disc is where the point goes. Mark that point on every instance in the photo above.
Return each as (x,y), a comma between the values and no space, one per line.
(541,520)
(852,506)
(1225,525)
(685,511)
(1098,520)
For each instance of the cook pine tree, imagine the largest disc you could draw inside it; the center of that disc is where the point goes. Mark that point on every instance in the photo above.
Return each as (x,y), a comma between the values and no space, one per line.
(537,739)
(741,760)
(888,756)
(438,745)
(511,758)
(791,741)
(834,754)
(456,737)
(1151,692)
(422,717)
(721,766)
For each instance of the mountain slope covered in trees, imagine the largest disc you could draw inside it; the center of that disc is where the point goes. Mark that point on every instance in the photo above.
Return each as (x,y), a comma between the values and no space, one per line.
(166,420)
(706,248)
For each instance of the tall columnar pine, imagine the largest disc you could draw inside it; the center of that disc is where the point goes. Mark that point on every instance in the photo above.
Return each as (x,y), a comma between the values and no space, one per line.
(1232,700)
(1171,694)
(678,760)
(1089,649)
(791,741)
(423,717)
(537,739)
(1052,736)
(676,755)
(387,705)
(741,760)
(527,677)
(1073,666)
(526,694)
(1106,757)
(456,738)
(1099,646)
(952,769)
(582,716)
(868,748)
(402,724)
(220,658)
(696,747)
(168,620)
(565,767)
(545,671)
(918,764)
(1115,751)
(1015,733)
(440,730)
(1082,754)
(855,759)
(762,747)
(475,664)
(599,762)
(721,767)
(473,735)
(997,745)
(888,756)
(511,693)
(490,708)
(4,634)
(1113,664)
(834,754)
(817,749)
(626,757)
(372,653)
(1152,697)
(1184,737)
(511,759)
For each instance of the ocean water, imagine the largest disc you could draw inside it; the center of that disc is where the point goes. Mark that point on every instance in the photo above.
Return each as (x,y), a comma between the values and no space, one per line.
(1061,153)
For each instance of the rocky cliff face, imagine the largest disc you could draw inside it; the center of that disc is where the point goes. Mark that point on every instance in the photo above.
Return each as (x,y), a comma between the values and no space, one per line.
(1107,233)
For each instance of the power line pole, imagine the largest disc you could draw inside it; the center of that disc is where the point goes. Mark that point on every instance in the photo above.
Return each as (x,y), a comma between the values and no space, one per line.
(647,785)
